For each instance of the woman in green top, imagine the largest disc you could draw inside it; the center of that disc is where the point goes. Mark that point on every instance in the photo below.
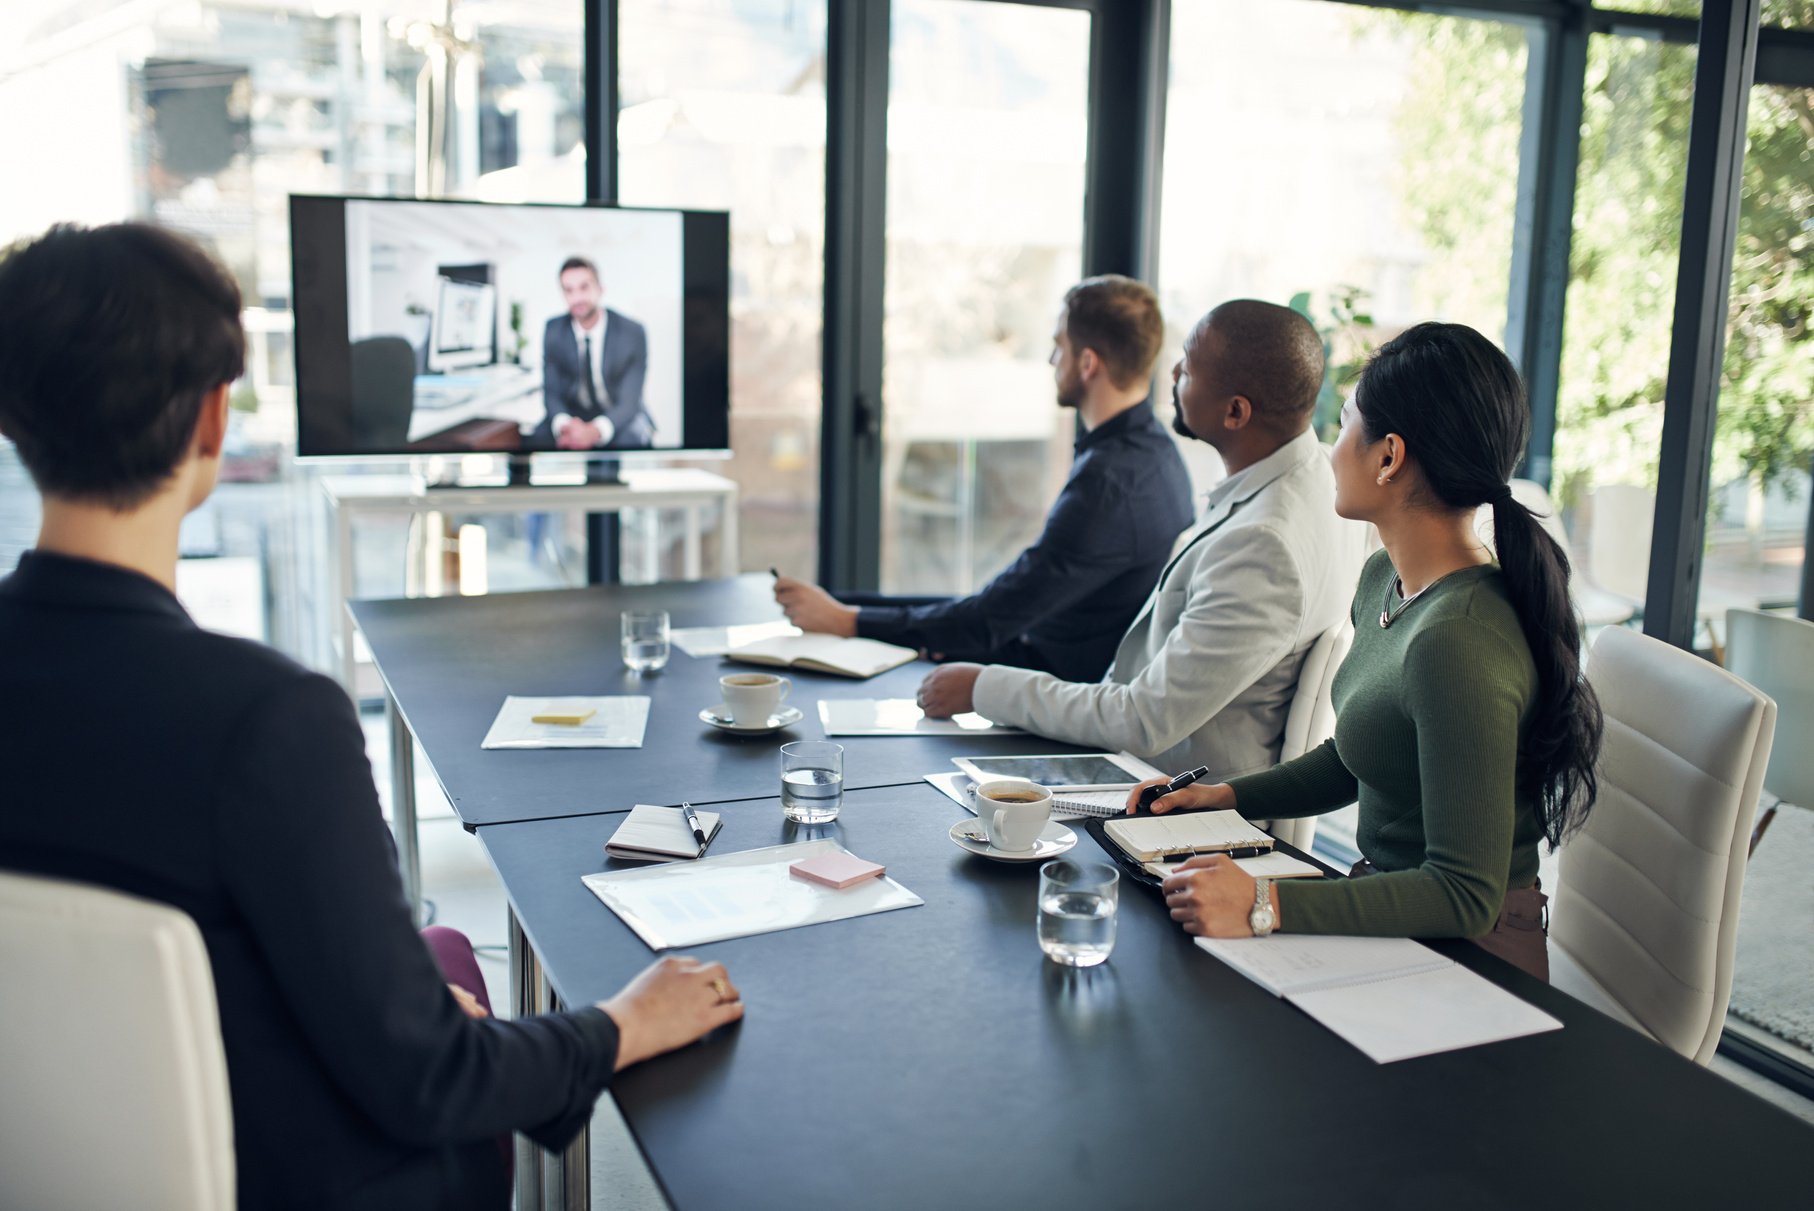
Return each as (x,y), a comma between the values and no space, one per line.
(1463,726)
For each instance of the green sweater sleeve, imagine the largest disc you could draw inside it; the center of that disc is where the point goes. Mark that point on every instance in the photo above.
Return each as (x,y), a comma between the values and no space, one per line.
(1465,690)
(1309,785)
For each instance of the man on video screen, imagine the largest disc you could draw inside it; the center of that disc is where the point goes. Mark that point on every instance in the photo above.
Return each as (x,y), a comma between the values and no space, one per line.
(593,364)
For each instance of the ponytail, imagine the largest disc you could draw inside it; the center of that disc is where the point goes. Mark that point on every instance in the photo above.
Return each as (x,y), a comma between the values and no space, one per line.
(1458,403)
(1563,740)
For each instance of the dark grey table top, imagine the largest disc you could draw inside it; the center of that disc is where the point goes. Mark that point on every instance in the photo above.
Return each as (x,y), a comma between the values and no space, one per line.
(931,1058)
(450,661)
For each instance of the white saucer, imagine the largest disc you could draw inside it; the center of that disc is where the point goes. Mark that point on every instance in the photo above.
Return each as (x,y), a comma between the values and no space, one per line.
(719,717)
(1054,840)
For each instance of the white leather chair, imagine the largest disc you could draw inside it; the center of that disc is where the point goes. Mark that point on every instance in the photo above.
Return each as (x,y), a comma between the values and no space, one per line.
(1311,719)
(1775,653)
(113,1083)
(1645,920)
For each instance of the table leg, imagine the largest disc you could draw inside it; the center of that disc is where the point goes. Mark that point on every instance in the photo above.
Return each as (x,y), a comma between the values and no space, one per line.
(343,593)
(525,982)
(692,569)
(403,805)
(544,1181)
(729,558)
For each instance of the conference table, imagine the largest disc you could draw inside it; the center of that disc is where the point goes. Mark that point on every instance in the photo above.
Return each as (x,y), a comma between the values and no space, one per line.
(931,1057)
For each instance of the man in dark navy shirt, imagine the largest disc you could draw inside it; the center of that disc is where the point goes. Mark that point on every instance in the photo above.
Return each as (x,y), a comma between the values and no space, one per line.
(232,783)
(1064,603)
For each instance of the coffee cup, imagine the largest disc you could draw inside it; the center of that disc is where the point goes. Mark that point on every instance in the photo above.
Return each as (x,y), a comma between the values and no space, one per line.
(1013,812)
(751,699)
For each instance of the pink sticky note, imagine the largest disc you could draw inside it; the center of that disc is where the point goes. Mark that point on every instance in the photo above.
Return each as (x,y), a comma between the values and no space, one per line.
(837,869)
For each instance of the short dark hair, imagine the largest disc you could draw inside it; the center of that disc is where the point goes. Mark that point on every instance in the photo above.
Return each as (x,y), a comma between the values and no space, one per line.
(1119,319)
(1271,355)
(578,262)
(110,337)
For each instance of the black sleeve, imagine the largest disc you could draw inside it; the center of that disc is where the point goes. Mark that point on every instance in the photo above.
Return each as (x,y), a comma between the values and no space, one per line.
(1082,548)
(309,862)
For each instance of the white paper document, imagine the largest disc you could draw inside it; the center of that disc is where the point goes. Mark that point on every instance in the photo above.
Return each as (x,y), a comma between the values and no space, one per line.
(737,895)
(701,642)
(616,722)
(1390,997)
(899,717)
(1275,865)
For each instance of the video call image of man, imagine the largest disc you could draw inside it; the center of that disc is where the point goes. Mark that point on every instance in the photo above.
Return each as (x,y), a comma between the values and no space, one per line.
(1063,603)
(594,361)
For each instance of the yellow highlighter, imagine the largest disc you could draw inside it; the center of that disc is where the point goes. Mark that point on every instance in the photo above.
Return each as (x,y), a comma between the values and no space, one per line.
(564,718)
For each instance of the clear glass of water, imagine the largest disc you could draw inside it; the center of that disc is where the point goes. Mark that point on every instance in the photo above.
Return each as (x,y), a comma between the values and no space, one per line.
(812,781)
(645,640)
(1077,902)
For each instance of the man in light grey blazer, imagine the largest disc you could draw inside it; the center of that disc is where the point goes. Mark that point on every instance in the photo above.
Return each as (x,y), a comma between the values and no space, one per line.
(1205,674)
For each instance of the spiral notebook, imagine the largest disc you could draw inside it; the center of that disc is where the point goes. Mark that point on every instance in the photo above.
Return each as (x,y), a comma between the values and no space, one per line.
(1147,838)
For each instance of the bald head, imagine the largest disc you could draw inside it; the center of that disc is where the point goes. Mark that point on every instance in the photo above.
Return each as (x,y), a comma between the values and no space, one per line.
(1267,353)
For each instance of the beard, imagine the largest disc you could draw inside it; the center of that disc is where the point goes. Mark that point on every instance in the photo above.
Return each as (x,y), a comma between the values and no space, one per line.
(1179,426)
(1070,393)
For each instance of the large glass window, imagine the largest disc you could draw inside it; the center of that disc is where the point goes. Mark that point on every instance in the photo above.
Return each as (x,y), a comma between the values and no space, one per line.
(1362,166)
(987,116)
(205,116)
(723,108)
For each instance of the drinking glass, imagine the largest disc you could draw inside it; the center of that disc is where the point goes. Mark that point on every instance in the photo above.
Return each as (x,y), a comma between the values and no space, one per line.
(812,781)
(645,640)
(1077,902)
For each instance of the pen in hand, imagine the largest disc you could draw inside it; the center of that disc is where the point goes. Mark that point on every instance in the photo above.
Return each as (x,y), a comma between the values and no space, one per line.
(1153,794)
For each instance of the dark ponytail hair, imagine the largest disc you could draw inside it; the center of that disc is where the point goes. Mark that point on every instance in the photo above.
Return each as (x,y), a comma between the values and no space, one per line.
(1460,407)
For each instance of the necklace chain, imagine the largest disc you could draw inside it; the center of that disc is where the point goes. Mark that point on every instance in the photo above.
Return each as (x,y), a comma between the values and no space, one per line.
(1389,614)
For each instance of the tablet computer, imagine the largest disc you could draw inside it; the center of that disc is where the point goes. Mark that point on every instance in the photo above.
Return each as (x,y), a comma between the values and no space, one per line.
(1063,771)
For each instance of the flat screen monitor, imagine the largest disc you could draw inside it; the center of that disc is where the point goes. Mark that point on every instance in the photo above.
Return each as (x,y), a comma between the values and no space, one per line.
(472,327)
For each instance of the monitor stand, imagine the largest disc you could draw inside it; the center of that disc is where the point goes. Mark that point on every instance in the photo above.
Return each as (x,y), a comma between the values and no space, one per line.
(604,471)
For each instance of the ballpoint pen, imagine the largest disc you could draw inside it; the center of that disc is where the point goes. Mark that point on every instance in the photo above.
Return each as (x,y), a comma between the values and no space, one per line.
(1153,794)
(693,823)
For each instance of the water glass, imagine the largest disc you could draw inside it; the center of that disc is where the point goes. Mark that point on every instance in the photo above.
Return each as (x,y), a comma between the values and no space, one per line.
(1077,902)
(645,640)
(812,781)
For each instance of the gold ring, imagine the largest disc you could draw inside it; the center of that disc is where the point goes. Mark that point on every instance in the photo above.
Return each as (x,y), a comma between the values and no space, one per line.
(721,988)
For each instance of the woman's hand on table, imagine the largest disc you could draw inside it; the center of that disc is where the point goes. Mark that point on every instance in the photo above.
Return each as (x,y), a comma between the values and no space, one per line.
(1211,896)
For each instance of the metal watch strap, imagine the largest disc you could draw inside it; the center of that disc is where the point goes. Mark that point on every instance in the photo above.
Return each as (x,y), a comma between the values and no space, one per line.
(1262,920)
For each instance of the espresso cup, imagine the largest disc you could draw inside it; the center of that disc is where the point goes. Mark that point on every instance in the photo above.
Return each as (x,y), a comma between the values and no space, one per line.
(751,699)
(1013,811)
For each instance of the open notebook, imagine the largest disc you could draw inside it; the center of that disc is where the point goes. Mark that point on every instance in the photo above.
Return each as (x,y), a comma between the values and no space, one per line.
(1391,997)
(825,654)
(1146,838)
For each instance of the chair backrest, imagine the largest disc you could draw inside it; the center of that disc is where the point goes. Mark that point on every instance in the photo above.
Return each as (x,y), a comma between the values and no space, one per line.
(1623,517)
(113,1077)
(1311,719)
(1775,653)
(383,392)
(1646,913)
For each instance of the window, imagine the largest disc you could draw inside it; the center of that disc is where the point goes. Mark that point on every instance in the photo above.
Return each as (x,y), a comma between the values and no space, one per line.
(987,112)
(723,108)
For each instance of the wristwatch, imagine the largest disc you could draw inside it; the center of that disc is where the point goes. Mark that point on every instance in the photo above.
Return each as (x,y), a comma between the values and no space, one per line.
(1262,919)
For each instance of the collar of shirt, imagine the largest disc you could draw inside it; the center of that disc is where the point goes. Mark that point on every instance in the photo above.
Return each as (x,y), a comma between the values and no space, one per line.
(1139,416)
(597,334)
(1246,482)
(48,578)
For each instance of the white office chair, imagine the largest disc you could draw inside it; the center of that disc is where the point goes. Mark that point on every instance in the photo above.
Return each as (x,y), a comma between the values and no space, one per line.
(1775,653)
(1597,607)
(1619,535)
(1311,719)
(1644,924)
(113,1083)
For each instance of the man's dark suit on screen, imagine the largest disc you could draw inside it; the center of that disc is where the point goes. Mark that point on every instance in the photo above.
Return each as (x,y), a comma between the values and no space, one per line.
(623,363)
(230,782)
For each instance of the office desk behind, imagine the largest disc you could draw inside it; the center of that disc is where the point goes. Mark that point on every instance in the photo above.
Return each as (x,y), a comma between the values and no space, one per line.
(932,1058)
